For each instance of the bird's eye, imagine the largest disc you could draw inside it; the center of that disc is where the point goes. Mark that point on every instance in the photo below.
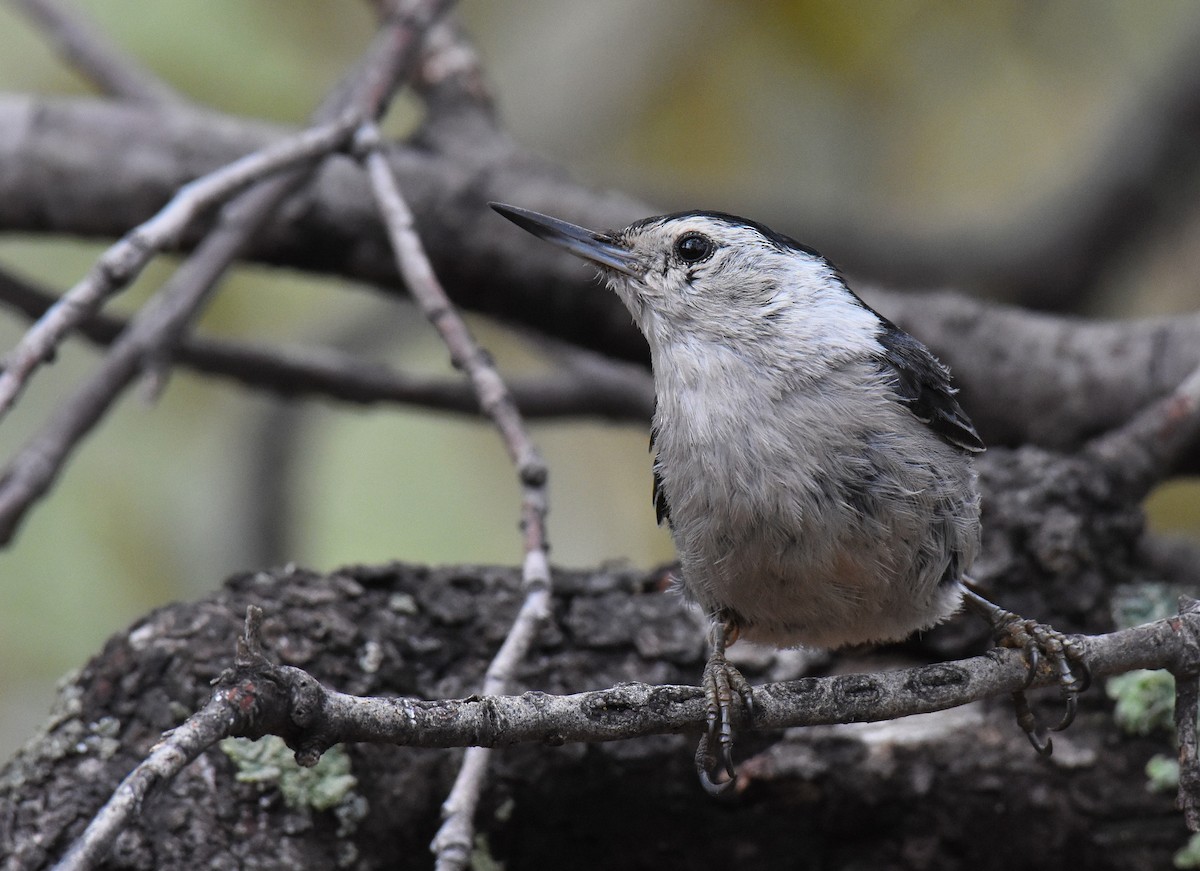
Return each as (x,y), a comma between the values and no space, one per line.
(694,247)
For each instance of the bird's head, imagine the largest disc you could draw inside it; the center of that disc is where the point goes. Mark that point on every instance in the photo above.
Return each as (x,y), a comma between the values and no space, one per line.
(700,277)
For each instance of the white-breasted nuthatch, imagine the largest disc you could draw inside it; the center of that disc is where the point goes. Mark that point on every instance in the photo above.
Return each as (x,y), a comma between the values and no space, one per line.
(813,461)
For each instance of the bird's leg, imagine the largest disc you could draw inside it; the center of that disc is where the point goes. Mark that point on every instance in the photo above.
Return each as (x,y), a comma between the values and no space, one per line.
(1036,640)
(714,756)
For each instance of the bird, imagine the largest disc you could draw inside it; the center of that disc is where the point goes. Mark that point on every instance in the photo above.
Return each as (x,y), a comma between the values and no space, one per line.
(812,459)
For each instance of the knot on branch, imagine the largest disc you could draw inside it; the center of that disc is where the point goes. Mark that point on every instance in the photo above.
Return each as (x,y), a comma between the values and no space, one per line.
(1188,661)
(268,699)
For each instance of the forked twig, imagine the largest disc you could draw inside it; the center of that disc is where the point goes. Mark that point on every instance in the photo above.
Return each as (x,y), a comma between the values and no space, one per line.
(363,94)
(124,261)
(454,840)
(218,719)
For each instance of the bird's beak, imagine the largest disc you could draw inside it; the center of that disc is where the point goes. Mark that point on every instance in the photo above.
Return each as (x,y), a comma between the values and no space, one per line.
(580,241)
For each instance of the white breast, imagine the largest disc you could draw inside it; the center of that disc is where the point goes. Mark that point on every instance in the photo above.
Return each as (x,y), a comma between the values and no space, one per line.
(812,511)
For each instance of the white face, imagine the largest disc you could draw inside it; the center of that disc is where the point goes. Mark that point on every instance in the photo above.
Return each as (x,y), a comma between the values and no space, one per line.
(704,277)
(706,287)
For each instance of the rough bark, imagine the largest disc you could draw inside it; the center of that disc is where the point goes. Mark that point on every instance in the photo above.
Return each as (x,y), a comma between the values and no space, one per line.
(907,794)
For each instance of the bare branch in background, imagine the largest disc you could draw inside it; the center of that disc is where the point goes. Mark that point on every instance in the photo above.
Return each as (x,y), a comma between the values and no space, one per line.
(455,839)
(1026,377)
(582,383)
(124,261)
(85,47)
(160,323)
(450,77)
(1052,253)
(1143,451)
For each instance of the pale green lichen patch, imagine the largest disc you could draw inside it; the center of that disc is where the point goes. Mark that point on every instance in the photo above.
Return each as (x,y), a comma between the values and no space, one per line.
(1145,701)
(1189,855)
(1162,772)
(269,762)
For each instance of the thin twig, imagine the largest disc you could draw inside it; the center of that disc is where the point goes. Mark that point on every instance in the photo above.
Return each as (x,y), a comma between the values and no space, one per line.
(160,323)
(583,383)
(366,91)
(84,46)
(203,729)
(124,261)
(454,840)
(232,710)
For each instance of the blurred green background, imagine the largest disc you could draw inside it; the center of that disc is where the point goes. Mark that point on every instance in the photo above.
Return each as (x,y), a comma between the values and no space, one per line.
(914,114)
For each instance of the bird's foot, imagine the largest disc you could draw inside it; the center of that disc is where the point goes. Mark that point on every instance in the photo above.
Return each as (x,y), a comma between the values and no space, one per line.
(1037,641)
(714,756)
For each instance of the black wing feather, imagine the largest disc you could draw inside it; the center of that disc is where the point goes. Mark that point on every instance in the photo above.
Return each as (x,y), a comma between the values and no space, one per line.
(659,497)
(923,384)
(661,510)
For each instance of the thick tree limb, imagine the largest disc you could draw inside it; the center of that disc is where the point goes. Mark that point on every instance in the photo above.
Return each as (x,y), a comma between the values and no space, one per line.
(1026,378)
(607,627)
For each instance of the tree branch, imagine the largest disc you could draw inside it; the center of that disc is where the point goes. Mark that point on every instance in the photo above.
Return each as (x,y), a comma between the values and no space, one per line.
(159,324)
(84,47)
(453,843)
(582,384)
(1142,451)
(123,262)
(1034,378)
(256,698)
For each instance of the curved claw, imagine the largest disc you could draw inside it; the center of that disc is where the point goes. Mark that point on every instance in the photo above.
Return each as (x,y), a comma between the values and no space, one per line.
(1081,674)
(1028,722)
(719,694)
(1071,705)
(1036,641)
(721,681)
(706,766)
